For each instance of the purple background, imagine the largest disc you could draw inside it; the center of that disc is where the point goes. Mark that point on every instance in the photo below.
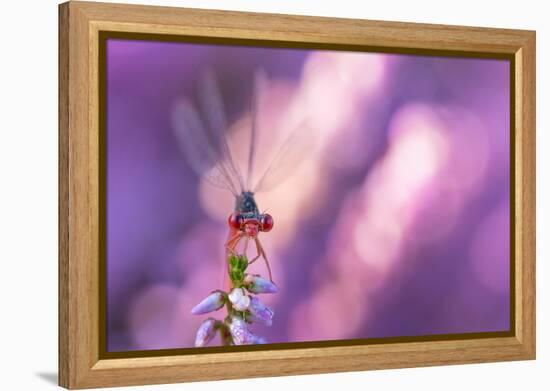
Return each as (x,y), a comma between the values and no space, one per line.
(395,224)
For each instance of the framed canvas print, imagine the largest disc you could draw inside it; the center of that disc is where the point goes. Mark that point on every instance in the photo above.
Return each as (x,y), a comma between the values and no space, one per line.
(249,195)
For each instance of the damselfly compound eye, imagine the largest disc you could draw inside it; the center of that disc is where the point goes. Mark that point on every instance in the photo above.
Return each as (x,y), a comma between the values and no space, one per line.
(266,223)
(235,220)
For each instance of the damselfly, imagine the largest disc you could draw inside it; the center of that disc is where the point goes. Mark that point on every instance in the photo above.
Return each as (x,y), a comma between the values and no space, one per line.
(202,132)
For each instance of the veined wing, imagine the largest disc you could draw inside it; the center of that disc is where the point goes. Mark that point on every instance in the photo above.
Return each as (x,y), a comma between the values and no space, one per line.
(212,106)
(288,158)
(205,147)
(260,84)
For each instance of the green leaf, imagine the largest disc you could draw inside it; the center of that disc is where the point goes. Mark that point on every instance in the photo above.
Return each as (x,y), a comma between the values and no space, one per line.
(236,276)
(234,261)
(243,262)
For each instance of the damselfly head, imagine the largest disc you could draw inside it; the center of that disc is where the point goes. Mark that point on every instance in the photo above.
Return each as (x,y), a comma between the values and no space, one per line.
(250,225)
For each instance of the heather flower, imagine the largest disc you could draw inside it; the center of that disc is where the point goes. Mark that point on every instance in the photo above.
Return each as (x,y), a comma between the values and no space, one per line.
(206,332)
(256,284)
(240,332)
(259,312)
(239,299)
(213,302)
(258,340)
(242,307)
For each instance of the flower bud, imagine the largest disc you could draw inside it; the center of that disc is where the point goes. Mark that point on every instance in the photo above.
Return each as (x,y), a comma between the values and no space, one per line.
(205,333)
(259,312)
(240,333)
(213,302)
(256,284)
(259,340)
(239,299)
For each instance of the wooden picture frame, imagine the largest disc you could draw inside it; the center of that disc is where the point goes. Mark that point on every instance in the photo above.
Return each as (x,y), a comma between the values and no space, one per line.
(81,364)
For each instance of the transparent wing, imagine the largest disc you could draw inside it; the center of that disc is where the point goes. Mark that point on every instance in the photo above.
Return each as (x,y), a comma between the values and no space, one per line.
(288,158)
(260,84)
(196,143)
(204,143)
(203,140)
(211,104)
